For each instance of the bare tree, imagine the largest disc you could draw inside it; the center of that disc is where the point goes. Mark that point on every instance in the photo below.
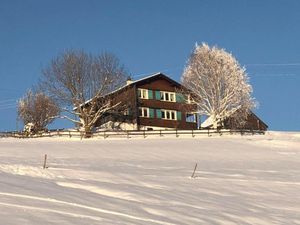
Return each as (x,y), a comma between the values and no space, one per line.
(37,109)
(220,86)
(80,80)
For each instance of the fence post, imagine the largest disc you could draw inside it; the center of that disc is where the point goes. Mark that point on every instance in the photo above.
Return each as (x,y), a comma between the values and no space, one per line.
(104,136)
(176,133)
(193,133)
(208,132)
(70,134)
(127,132)
(45,162)
(160,133)
(144,133)
(194,171)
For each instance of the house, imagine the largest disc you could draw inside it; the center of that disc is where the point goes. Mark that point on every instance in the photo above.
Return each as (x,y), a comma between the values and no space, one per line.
(156,102)
(153,102)
(253,122)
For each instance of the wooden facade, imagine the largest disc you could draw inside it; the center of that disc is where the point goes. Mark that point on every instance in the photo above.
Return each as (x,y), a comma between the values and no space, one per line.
(154,102)
(253,122)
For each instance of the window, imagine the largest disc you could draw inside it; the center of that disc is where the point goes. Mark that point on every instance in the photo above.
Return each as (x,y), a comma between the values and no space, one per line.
(173,115)
(190,100)
(163,114)
(143,93)
(190,117)
(172,97)
(167,96)
(143,112)
(168,114)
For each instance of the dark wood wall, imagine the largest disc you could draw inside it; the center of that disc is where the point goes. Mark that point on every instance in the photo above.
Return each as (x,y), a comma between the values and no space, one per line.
(126,98)
(161,84)
(252,123)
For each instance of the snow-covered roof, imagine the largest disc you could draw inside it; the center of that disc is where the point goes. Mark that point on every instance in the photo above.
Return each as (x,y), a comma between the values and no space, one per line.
(207,123)
(133,82)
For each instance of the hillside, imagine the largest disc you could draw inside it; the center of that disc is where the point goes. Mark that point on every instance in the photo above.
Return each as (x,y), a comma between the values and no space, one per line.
(239,180)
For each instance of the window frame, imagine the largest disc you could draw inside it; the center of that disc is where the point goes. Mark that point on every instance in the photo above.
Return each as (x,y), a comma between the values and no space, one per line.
(143,112)
(194,118)
(165,113)
(143,92)
(166,96)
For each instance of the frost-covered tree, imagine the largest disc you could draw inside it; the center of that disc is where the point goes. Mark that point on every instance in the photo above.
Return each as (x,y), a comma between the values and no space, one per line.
(78,80)
(220,86)
(37,109)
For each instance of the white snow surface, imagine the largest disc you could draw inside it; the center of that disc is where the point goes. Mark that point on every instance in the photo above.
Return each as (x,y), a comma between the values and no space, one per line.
(208,122)
(239,180)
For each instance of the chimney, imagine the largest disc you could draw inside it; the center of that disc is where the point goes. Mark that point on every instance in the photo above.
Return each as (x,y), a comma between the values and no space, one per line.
(129,80)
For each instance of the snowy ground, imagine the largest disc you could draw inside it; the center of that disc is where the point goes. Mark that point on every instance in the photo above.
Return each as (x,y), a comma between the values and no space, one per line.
(239,180)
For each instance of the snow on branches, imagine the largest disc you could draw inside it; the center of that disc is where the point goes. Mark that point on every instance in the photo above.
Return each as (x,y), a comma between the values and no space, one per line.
(219,84)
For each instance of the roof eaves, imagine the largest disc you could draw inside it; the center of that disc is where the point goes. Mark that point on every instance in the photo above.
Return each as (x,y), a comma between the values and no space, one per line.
(126,85)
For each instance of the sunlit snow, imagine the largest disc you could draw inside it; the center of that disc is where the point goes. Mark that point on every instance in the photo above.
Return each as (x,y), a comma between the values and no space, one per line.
(239,180)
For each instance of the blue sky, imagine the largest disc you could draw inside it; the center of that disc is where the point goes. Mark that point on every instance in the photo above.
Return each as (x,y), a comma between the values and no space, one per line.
(152,36)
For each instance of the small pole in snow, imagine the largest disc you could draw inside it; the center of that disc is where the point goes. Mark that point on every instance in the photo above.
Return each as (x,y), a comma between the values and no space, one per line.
(45,162)
(193,175)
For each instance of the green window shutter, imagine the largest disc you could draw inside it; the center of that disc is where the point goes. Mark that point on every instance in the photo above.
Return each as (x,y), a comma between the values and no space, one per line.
(150,94)
(158,113)
(157,95)
(179,97)
(178,115)
(151,113)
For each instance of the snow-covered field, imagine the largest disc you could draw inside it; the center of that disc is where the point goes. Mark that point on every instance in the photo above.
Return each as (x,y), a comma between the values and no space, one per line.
(239,180)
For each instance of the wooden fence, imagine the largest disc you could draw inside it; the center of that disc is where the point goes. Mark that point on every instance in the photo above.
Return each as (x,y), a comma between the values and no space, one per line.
(130,133)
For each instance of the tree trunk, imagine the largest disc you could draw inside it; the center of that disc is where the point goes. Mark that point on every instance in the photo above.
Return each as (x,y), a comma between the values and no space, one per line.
(215,122)
(87,131)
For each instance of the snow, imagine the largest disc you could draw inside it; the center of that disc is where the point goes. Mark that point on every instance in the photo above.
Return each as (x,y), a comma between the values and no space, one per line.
(208,122)
(239,180)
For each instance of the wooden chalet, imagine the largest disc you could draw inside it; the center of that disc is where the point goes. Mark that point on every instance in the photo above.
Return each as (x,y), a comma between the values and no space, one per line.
(154,102)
